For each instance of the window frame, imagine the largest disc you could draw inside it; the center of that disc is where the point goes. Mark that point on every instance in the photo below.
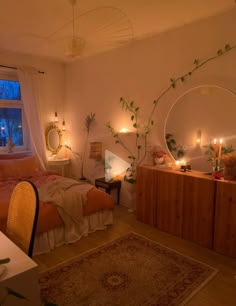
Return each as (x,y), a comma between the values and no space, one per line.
(19,105)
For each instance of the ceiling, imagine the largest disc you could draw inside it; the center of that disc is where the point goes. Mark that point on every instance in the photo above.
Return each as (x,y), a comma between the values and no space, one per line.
(45,27)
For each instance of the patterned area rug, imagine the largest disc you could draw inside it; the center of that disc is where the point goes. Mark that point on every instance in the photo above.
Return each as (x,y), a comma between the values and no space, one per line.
(131,270)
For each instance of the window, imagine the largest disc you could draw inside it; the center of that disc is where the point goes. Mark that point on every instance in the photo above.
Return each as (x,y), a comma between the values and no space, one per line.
(12,122)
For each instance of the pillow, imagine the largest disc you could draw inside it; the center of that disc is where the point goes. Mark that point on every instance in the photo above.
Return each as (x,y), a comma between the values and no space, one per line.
(14,155)
(22,167)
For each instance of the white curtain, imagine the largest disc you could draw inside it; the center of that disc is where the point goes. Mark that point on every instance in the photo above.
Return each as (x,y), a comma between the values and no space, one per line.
(29,83)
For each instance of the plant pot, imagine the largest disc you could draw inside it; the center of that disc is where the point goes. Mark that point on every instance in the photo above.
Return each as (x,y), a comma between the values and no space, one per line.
(229,173)
(10,145)
(131,189)
(159,160)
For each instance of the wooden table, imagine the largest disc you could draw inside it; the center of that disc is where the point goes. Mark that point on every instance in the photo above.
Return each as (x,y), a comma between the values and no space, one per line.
(109,185)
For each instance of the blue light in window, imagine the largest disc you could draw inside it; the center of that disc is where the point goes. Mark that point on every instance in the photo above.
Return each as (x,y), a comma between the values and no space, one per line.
(11,126)
(10,90)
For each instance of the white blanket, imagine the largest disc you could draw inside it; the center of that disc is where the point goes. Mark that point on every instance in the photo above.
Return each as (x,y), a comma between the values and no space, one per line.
(68,196)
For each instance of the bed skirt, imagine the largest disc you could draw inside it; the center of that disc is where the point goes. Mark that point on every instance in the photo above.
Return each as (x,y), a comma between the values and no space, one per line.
(48,241)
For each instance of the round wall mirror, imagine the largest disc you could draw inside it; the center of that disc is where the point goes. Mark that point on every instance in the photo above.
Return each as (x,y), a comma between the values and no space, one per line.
(200,117)
(53,138)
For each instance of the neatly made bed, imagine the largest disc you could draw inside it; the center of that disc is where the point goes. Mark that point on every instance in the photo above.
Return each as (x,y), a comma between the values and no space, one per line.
(68,209)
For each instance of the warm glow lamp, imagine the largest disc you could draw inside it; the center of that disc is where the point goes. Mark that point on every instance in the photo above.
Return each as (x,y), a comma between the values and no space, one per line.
(63,125)
(55,117)
(198,138)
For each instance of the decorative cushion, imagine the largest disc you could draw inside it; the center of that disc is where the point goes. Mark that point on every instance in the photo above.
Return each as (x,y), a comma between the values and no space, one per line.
(21,167)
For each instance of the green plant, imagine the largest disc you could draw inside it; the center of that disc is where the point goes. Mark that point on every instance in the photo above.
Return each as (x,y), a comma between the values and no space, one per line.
(89,121)
(209,149)
(136,157)
(173,147)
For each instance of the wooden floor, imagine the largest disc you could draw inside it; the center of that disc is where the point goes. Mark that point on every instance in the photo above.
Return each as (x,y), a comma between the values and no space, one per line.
(220,291)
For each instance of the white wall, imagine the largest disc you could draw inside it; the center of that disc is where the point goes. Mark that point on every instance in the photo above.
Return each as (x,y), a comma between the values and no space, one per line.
(141,72)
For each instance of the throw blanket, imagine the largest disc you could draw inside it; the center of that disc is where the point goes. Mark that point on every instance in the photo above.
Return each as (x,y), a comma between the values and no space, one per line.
(68,196)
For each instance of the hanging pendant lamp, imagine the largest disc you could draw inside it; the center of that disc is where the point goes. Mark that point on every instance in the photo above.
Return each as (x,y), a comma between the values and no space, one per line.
(75,44)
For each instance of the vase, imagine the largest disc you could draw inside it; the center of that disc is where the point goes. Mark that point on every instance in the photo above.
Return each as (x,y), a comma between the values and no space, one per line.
(131,188)
(229,172)
(159,160)
(10,145)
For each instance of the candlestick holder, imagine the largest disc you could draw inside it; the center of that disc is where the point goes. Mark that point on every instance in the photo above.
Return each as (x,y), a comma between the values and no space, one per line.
(215,165)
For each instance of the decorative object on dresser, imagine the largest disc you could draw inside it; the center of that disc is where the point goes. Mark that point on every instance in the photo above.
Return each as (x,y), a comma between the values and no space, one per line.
(229,163)
(159,157)
(190,205)
(131,270)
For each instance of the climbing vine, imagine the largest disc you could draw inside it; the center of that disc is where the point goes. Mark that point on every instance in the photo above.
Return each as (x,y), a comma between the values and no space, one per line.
(141,142)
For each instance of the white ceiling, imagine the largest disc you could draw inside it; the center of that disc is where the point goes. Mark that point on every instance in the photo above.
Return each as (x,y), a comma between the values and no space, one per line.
(43,27)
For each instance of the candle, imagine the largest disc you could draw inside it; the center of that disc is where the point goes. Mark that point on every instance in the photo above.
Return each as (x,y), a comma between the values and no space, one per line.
(214,152)
(220,147)
(124,130)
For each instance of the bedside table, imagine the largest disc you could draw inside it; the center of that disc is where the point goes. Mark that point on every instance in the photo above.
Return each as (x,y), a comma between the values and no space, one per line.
(84,180)
(108,186)
(60,163)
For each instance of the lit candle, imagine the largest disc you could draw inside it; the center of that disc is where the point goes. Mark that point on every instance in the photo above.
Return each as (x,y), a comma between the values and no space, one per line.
(214,152)
(220,147)
(114,175)
(123,130)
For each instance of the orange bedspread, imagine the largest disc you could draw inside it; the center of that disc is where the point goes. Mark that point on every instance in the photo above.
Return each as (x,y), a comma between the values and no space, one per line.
(49,216)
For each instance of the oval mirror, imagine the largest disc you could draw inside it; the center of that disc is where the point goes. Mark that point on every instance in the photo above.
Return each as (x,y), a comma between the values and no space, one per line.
(198,118)
(53,138)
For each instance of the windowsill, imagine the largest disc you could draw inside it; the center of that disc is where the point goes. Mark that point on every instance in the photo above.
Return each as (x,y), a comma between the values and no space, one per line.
(20,154)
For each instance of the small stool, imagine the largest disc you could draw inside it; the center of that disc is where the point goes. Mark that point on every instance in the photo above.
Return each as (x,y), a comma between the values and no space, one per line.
(108,186)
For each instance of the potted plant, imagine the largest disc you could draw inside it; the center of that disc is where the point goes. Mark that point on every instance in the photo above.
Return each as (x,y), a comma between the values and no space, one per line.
(138,154)
(89,121)
(159,157)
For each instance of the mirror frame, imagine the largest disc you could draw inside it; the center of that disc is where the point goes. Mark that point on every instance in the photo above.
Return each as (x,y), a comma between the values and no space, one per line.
(50,128)
(229,91)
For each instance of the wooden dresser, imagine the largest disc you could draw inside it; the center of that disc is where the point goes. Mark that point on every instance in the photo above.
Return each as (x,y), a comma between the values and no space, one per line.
(190,205)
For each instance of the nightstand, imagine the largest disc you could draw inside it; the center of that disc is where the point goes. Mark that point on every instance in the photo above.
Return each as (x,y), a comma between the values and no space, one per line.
(108,186)
(84,180)
(59,163)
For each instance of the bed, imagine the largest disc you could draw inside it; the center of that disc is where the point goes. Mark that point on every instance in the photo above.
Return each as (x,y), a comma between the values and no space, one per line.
(68,209)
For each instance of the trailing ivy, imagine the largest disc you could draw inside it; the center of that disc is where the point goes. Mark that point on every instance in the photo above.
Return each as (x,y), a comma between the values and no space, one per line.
(135,157)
